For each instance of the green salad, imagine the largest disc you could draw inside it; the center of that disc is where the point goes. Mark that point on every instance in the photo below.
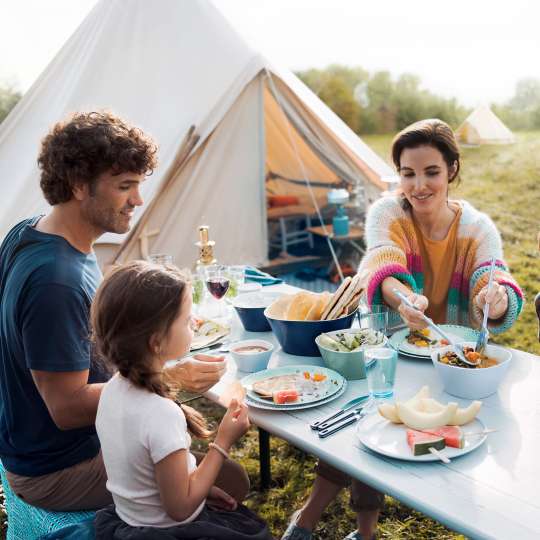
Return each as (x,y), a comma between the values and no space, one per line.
(351,341)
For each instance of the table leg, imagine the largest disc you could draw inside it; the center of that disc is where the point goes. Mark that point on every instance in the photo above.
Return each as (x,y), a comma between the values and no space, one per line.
(264,459)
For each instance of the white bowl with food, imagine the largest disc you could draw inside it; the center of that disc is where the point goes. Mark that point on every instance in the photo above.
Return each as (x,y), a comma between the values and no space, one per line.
(470,382)
(343,350)
(251,355)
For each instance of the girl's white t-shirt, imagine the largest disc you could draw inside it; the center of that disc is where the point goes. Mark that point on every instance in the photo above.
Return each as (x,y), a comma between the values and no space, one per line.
(137,429)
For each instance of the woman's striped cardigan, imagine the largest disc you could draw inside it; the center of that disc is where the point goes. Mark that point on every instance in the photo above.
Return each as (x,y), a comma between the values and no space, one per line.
(392,250)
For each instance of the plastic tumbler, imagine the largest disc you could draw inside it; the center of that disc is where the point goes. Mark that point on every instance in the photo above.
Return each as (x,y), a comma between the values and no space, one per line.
(381,370)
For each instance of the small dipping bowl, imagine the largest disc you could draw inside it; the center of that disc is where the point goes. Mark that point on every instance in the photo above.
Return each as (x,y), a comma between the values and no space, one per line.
(251,360)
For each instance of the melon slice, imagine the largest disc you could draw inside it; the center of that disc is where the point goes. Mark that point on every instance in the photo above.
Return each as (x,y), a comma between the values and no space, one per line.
(423,420)
(464,416)
(452,435)
(388,411)
(420,442)
(430,405)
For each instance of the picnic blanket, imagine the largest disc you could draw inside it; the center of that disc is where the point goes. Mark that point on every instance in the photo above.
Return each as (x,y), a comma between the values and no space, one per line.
(210,524)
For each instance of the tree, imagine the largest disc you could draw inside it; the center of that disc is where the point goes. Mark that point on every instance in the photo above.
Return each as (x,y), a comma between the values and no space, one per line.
(8,99)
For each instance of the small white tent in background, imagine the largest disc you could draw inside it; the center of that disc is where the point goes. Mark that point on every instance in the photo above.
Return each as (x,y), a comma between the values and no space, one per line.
(483,127)
(167,65)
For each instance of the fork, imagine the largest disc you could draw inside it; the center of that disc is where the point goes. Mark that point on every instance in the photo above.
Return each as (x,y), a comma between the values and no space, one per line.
(458,349)
(483,337)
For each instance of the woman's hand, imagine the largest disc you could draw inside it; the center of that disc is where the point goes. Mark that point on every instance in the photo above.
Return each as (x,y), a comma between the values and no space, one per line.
(234,424)
(497,298)
(412,317)
(221,500)
(197,375)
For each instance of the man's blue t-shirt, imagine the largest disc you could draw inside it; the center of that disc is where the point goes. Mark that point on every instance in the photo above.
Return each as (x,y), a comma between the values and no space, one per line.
(46,288)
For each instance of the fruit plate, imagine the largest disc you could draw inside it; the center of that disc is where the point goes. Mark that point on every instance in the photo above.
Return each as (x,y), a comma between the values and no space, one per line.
(315,393)
(269,406)
(399,342)
(388,439)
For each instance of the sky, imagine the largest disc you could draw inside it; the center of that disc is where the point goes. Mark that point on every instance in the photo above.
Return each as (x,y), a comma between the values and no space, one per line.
(475,51)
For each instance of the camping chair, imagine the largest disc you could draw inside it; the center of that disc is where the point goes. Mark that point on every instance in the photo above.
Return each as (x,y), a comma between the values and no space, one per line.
(27,522)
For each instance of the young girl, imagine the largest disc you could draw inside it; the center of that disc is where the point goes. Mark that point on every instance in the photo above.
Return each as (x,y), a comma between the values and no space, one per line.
(141,319)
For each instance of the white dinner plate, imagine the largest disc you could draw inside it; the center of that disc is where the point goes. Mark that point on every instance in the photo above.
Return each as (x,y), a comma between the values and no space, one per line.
(388,439)
(200,341)
(459,333)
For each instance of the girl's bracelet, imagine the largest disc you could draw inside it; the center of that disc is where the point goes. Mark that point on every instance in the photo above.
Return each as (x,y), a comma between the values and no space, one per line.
(223,452)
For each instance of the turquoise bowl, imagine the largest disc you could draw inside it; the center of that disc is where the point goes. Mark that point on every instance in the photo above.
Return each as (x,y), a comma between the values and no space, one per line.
(349,364)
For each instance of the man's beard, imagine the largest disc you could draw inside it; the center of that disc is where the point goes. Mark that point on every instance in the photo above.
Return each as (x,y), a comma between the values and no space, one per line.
(106,219)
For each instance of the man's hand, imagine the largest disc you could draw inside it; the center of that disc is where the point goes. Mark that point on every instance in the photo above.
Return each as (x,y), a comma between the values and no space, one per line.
(197,374)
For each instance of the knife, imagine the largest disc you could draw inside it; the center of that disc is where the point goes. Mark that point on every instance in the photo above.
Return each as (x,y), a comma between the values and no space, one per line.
(349,405)
(354,417)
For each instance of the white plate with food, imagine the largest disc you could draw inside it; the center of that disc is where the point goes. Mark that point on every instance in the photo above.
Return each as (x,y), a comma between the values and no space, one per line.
(392,440)
(292,385)
(206,332)
(419,344)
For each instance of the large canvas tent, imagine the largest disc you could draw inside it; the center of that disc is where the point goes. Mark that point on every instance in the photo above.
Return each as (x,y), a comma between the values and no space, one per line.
(482,126)
(167,65)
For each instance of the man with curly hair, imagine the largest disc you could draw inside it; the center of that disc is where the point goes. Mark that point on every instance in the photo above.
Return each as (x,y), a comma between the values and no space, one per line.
(92,167)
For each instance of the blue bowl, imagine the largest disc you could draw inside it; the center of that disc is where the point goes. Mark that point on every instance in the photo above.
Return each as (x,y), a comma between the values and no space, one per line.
(250,308)
(298,337)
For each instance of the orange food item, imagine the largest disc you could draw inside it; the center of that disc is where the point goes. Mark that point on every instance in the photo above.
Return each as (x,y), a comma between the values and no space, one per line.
(473,356)
(307,375)
(318,377)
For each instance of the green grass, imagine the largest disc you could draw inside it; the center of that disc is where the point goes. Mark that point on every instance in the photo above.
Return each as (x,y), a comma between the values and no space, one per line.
(501,181)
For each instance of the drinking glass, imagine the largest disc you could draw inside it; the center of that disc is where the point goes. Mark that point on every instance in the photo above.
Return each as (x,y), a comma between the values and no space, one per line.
(217,283)
(376,319)
(236,277)
(161,258)
(381,370)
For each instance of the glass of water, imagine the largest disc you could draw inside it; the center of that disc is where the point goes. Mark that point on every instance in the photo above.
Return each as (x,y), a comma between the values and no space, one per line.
(161,258)
(376,319)
(381,365)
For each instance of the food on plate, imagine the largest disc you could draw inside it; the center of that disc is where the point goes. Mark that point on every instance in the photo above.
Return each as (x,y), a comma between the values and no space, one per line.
(267,387)
(351,341)
(450,358)
(425,420)
(420,442)
(453,435)
(421,403)
(250,349)
(464,416)
(206,327)
(285,396)
(423,338)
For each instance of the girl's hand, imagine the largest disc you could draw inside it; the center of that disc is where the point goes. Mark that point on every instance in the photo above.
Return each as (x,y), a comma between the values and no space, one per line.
(497,298)
(220,500)
(412,318)
(234,424)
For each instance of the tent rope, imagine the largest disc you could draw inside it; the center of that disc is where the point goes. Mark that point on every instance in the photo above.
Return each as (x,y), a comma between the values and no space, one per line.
(277,96)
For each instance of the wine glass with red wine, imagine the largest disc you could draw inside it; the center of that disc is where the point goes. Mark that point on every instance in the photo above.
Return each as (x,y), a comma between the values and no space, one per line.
(217,283)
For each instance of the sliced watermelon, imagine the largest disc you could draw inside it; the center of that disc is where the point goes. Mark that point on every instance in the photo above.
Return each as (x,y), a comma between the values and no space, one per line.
(285,396)
(420,442)
(453,435)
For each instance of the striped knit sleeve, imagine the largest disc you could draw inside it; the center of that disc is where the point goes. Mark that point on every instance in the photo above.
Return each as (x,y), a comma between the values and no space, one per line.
(490,245)
(385,256)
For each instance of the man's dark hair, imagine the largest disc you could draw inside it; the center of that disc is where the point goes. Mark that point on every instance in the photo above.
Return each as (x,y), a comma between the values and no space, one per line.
(87,145)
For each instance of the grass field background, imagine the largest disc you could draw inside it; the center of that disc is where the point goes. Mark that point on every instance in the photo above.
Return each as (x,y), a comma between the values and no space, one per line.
(499,180)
